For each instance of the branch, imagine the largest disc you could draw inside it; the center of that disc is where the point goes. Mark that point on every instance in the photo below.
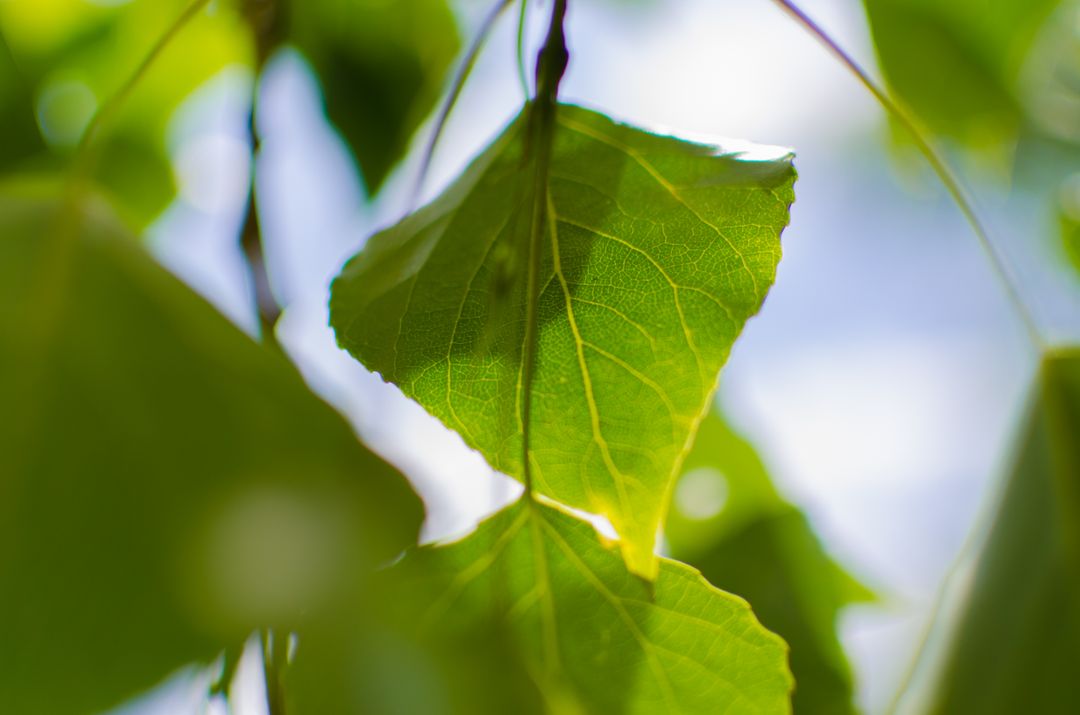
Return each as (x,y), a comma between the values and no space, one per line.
(266,22)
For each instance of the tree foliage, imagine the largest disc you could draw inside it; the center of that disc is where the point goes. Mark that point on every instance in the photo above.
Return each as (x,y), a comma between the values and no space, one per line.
(656,252)
(170,486)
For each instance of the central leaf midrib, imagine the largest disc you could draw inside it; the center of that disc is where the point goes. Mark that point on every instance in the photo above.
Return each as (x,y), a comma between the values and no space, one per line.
(586,379)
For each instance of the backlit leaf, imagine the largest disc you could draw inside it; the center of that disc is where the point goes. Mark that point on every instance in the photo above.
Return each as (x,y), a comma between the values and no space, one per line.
(559,604)
(166,484)
(659,252)
(728,521)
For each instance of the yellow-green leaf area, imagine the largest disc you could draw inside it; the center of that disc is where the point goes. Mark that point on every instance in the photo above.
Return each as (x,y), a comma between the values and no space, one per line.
(655,253)
(729,521)
(594,637)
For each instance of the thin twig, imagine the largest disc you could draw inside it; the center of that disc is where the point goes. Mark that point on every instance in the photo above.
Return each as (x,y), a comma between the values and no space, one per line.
(456,86)
(264,18)
(523,71)
(84,155)
(275,654)
(251,243)
(936,161)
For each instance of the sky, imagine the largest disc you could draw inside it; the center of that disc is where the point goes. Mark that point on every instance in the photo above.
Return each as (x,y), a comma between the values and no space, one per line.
(881,381)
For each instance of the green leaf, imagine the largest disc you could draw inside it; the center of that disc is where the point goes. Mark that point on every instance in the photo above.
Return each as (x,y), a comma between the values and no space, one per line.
(166,484)
(728,521)
(957,63)
(1016,645)
(21,136)
(381,66)
(559,604)
(73,56)
(1070,238)
(661,250)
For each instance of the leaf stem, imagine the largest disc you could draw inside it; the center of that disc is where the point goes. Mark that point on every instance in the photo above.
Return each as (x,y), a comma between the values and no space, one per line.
(936,161)
(230,663)
(550,67)
(251,243)
(523,72)
(85,156)
(264,18)
(456,86)
(275,655)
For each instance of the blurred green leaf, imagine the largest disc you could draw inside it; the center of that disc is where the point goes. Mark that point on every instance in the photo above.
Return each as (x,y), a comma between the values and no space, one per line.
(661,251)
(166,484)
(381,66)
(728,521)
(558,602)
(1016,645)
(1069,218)
(1070,235)
(73,55)
(22,139)
(957,63)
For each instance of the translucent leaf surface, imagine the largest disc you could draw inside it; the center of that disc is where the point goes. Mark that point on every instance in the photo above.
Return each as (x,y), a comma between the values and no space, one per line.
(559,603)
(166,484)
(1017,642)
(381,66)
(655,254)
(728,521)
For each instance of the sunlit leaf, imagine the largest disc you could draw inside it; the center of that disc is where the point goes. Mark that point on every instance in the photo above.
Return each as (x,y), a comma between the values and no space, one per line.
(166,484)
(381,66)
(728,521)
(661,250)
(1017,642)
(561,605)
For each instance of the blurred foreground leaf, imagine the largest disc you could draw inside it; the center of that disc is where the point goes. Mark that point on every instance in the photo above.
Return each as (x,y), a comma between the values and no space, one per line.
(381,66)
(1017,643)
(166,484)
(1070,238)
(22,139)
(728,521)
(957,64)
(658,251)
(541,590)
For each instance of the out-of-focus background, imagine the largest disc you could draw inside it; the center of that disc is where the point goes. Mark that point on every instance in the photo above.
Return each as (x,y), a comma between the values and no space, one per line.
(885,375)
